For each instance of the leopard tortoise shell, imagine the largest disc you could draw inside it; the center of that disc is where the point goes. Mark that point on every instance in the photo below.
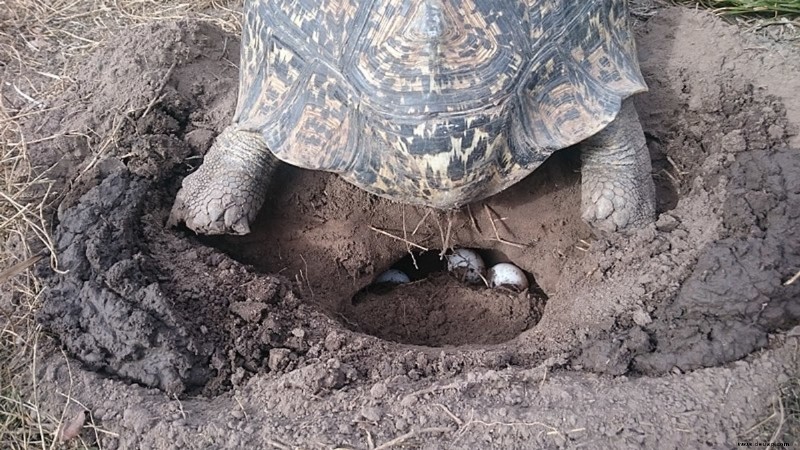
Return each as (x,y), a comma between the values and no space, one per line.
(430,102)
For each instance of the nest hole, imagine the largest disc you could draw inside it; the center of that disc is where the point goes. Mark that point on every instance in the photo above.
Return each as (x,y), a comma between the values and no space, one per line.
(331,240)
(437,308)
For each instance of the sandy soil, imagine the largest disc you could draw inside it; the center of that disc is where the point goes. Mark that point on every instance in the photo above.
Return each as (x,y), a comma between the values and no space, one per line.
(675,336)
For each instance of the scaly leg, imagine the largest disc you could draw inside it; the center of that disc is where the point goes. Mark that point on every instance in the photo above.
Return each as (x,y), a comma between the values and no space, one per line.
(224,195)
(617,191)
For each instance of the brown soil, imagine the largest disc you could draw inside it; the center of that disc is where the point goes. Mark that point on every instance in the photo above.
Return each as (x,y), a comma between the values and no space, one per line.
(270,338)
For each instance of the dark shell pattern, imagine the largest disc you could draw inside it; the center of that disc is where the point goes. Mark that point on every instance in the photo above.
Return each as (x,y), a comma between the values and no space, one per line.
(432,102)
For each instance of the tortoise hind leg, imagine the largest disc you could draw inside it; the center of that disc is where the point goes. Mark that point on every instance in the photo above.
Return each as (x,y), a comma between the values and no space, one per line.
(224,194)
(617,191)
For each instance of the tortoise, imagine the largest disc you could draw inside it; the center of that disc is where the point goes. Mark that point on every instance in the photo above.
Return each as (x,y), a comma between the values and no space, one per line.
(430,102)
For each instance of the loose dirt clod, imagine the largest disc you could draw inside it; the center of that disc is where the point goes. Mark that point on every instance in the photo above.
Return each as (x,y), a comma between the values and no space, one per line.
(681,309)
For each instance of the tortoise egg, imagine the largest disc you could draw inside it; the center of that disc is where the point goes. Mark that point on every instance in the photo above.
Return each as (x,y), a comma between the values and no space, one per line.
(467,265)
(393,276)
(508,275)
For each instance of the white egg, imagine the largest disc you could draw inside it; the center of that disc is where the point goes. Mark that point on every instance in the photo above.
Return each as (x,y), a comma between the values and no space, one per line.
(393,276)
(507,275)
(467,265)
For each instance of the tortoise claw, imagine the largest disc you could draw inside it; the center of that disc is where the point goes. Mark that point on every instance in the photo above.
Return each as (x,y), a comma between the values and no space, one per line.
(224,195)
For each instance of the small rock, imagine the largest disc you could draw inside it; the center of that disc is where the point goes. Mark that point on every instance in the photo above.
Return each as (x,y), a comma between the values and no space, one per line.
(263,290)
(666,223)
(734,142)
(215,259)
(680,234)
(775,132)
(108,166)
(372,413)
(299,332)
(296,343)
(408,401)
(641,317)
(249,311)
(334,341)
(695,103)
(278,358)
(379,390)
(199,140)
(334,378)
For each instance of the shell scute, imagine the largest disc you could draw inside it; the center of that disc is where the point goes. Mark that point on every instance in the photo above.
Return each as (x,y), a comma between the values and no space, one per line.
(436,102)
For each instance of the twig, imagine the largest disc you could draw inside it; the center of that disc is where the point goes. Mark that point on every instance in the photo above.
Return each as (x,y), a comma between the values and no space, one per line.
(441,235)
(158,94)
(410,435)
(35,386)
(446,241)
(24,95)
(544,378)
(473,220)
(386,233)
(308,282)
(370,442)
(550,430)
(781,421)
(675,166)
(405,238)
(788,282)
(496,233)
(762,423)
(180,406)
(447,411)
(432,389)
(91,423)
(278,445)
(671,177)
(421,221)
(239,402)
(20,267)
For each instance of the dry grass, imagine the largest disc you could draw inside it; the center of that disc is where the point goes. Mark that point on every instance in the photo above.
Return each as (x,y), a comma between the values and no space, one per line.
(782,425)
(23,230)
(41,39)
(771,8)
(40,42)
(778,19)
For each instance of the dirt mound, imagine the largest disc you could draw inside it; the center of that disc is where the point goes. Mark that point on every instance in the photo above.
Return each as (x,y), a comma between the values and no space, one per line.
(160,307)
